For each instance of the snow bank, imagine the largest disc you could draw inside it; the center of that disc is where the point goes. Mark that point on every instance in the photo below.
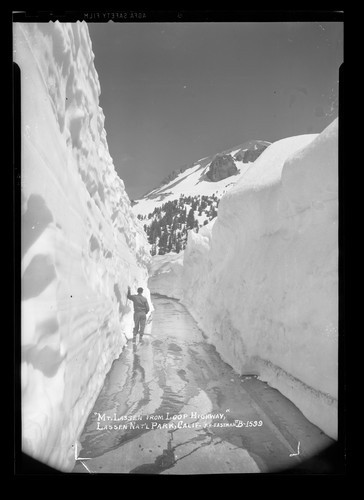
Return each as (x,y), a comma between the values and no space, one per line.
(262,281)
(81,243)
(166,275)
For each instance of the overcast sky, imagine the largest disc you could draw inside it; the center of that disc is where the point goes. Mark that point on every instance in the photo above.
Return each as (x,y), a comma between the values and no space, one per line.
(173,93)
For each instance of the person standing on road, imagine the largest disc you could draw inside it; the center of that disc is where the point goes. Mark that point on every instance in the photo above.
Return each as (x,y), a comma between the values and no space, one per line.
(141,309)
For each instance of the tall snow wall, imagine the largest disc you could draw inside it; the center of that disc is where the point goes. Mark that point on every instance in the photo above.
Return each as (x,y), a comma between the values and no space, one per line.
(80,242)
(166,273)
(262,281)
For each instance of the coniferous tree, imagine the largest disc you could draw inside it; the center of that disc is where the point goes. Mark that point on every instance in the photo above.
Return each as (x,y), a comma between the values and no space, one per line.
(212,213)
(163,240)
(190,219)
(183,216)
(168,216)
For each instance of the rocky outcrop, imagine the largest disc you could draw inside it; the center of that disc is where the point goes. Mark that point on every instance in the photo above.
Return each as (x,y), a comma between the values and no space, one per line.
(221,167)
(250,155)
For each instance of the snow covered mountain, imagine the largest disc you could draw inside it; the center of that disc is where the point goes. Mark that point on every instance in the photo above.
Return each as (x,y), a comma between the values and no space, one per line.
(81,243)
(188,198)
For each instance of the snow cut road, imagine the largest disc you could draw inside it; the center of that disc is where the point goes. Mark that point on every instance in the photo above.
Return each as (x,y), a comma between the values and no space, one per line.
(170,405)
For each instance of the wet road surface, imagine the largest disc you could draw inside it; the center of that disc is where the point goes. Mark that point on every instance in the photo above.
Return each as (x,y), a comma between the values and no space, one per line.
(170,405)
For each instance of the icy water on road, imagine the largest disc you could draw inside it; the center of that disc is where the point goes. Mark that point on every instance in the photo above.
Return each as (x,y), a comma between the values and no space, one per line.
(170,405)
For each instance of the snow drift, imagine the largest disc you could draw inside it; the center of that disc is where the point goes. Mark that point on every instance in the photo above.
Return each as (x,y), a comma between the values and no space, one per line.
(81,243)
(262,279)
(166,275)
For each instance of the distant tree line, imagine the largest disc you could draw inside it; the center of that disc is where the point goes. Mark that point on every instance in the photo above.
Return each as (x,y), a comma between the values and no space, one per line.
(168,225)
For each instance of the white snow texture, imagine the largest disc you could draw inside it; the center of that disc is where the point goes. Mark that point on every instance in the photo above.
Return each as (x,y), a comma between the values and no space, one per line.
(166,275)
(81,243)
(261,279)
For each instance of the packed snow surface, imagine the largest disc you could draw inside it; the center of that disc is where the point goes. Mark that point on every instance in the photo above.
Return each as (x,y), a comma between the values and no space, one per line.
(81,243)
(262,278)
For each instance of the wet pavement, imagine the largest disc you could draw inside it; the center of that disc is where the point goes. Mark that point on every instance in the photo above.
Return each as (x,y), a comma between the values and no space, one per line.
(170,405)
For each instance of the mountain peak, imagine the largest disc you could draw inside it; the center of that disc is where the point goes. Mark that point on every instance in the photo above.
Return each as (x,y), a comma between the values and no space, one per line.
(188,198)
(195,176)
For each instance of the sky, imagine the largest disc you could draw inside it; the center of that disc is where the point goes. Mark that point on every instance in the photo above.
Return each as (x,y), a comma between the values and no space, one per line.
(173,93)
